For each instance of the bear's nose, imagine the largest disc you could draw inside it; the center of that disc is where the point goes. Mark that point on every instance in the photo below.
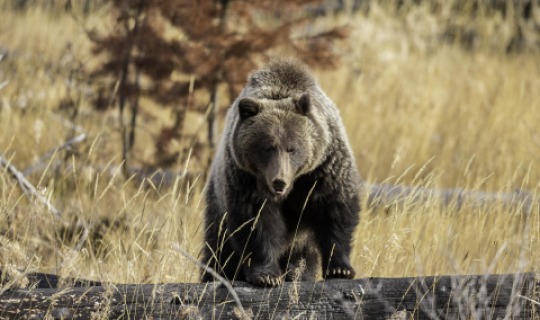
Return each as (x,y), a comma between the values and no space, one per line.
(279,185)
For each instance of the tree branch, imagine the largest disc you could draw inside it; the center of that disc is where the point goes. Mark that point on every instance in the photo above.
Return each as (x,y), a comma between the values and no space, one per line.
(29,190)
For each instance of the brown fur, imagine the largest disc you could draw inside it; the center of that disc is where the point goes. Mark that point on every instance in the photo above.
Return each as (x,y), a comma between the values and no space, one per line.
(283,187)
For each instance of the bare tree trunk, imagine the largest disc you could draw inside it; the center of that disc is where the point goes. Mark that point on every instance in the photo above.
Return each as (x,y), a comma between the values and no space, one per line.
(134,111)
(122,90)
(121,104)
(86,7)
(214,98)
(180,114)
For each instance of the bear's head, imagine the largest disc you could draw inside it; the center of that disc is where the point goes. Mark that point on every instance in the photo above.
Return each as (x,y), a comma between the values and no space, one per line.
(277,141)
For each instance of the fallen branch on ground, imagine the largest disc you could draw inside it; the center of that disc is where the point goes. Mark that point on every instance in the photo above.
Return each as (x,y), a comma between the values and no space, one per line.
(381,195)
(29,190)
(43,161)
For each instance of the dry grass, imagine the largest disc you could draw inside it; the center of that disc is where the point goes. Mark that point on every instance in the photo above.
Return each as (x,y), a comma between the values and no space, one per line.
(418,111)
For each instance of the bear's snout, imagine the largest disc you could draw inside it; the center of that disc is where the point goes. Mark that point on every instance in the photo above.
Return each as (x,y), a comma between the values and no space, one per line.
(278,173)
(279,186)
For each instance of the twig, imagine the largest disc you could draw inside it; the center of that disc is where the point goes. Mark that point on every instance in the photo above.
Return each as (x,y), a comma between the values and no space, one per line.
(45,158)
(3,53)
(222,280)
(83,238)
(27,187)
(65,122)
(528,299)
(4,84)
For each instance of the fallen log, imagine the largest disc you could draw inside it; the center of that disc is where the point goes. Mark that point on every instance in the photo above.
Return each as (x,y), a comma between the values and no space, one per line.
(385,195)
(448,297)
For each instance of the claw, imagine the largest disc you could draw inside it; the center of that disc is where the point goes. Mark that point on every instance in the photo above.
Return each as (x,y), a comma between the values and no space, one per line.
(266,280)
(340,272)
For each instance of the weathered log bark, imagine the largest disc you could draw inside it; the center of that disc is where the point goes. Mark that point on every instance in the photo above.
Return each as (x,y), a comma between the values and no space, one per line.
(449,297)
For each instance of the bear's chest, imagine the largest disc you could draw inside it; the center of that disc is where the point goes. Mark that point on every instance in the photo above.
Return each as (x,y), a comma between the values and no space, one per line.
(299,209)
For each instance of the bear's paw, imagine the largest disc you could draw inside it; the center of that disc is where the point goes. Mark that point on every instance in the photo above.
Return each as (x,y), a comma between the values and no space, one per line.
(265,280)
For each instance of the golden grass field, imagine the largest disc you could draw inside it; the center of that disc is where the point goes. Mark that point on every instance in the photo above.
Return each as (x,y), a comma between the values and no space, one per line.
(418,111)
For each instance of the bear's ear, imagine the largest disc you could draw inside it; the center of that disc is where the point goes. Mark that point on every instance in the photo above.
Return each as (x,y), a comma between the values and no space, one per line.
(303,104)
(248,107)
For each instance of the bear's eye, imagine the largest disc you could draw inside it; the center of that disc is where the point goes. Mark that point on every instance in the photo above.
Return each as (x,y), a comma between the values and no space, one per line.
(291,149)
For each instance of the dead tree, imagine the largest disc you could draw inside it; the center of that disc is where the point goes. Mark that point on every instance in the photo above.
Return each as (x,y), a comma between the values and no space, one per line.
(203,67)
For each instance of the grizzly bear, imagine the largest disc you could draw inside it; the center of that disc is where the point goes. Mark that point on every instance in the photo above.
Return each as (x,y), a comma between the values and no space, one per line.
(282,196)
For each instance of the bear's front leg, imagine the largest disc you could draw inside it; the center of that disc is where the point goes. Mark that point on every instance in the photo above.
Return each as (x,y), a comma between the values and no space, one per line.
(334,237)
(260,244)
